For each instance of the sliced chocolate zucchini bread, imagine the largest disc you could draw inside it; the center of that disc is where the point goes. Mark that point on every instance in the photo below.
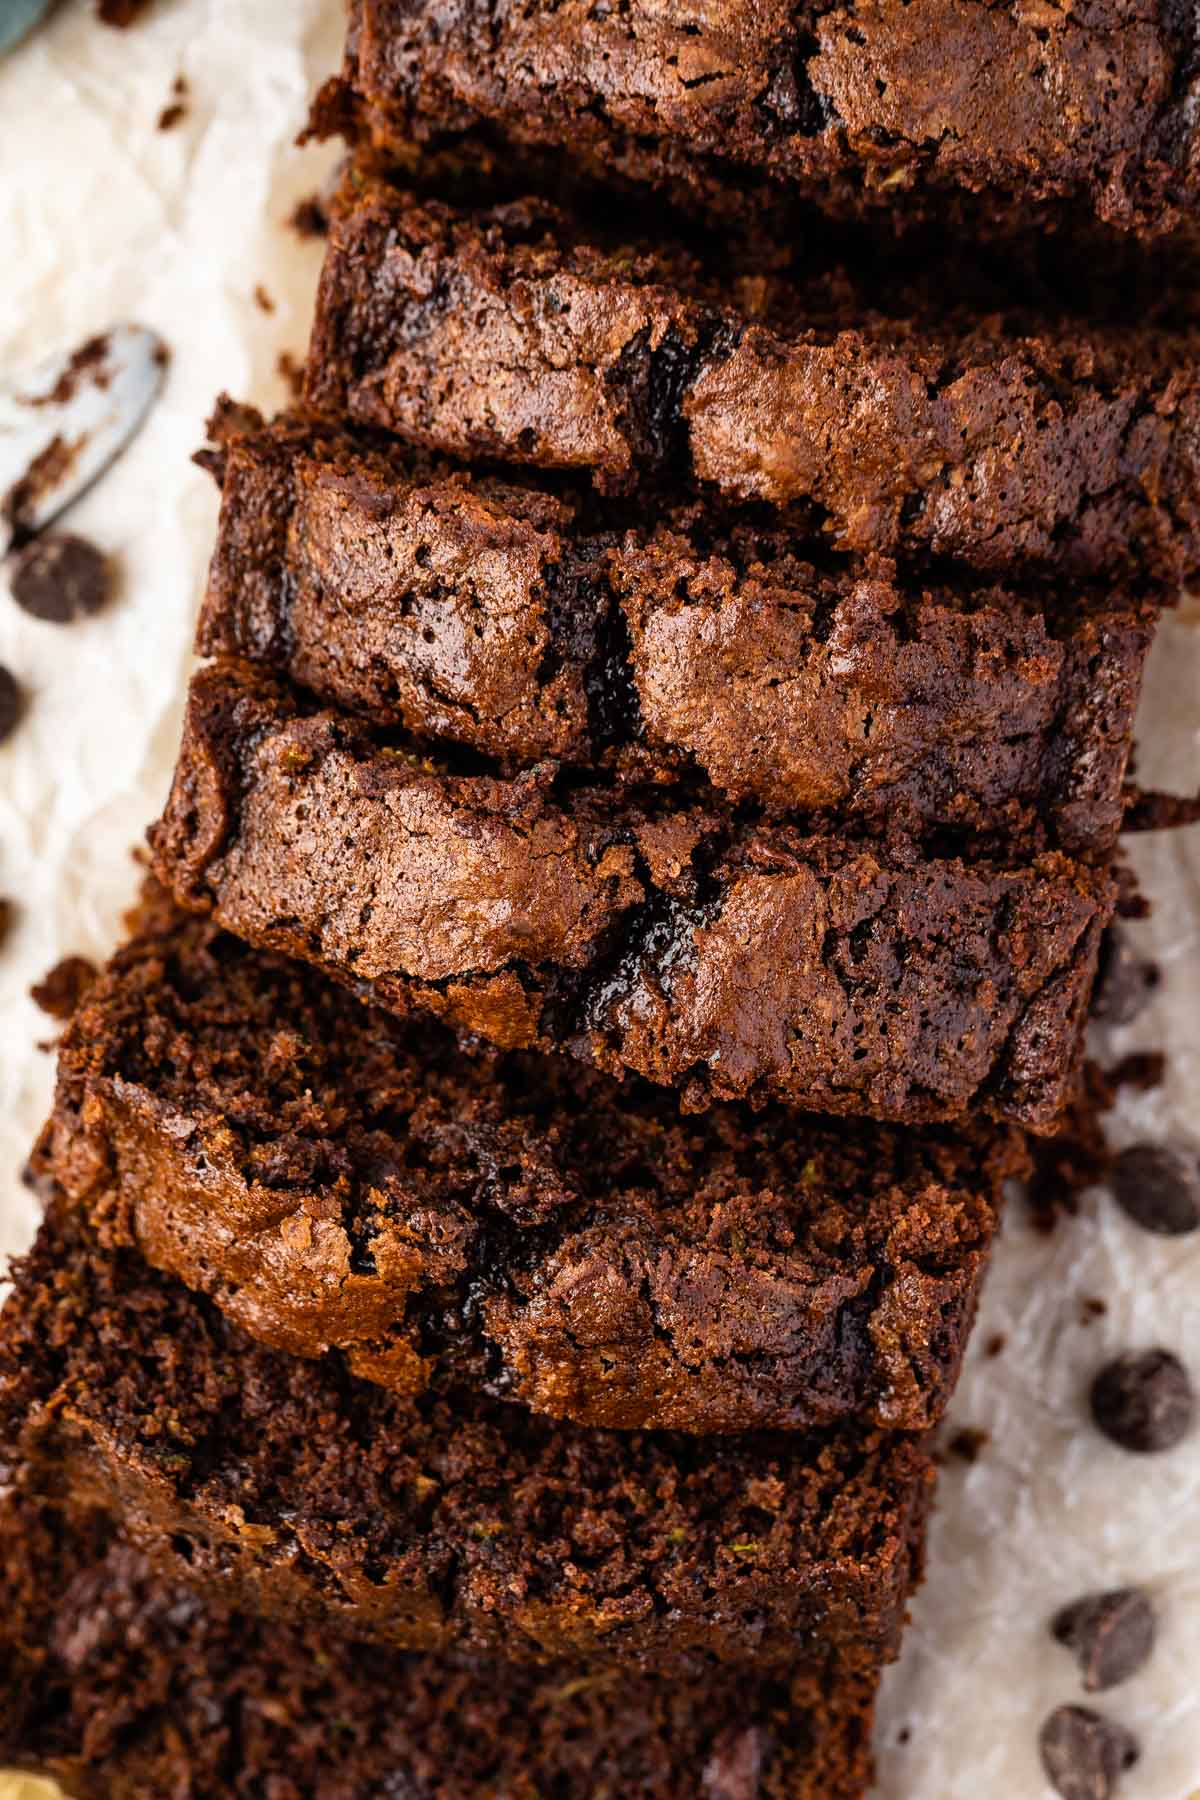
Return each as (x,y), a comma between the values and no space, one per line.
(728,958)
(448,1522)
(526,621)
(338,1179)
(1006,441)
(124,1685)
(894,110)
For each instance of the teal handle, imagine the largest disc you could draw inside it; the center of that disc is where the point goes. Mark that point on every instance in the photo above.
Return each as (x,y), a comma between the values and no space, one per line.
(17,17)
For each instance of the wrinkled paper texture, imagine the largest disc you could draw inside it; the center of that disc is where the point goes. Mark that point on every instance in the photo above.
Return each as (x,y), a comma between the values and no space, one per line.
(105,217)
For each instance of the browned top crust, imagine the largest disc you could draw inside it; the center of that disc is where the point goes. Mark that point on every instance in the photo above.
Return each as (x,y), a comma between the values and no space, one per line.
(450,1522)
(729,959)
(334,1178)
(1003,443)
(528,621)
(1037,108)
(126,1686)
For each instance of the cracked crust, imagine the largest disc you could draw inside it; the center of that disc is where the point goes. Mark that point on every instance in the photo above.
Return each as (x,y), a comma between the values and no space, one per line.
(334,1179)
(125,1686)
(525,622)
(443,1524)
(1005,444)
(1032,111)
(728,959)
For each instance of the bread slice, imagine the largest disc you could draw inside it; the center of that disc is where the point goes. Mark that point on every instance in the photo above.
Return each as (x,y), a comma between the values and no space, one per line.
(335,1179)
(951,108)
(449,1523)
(1005,442)
(527,621)
(730,959)
(126,1686)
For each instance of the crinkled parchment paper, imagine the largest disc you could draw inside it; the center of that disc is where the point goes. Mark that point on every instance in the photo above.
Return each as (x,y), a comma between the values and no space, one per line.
(104,217)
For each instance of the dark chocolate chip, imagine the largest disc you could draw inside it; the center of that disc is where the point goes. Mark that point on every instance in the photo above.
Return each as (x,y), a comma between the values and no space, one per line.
(1158,1185)
(1143,1401)
(10,702)
(1084,1754)
(60,578)
(1111,1635)
(1124,983)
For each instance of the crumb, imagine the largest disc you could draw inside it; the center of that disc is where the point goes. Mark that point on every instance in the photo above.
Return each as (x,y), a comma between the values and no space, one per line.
(1090,1309)
(1143,1071)
(6,918)
(292,371)
(171,115)
(995,1344)
(120,13)
(967,1443)
(308,218)
(262,299)
(904,1735)
(60,992)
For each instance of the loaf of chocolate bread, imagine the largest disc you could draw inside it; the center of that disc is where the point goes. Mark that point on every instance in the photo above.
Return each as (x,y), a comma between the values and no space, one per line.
(1003,442)
(449,1522)
(527,622)
(730,959)
(335,1178)
(898,111)
(126,1686)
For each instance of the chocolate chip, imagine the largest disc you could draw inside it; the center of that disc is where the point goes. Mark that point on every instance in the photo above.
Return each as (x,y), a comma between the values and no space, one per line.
(1158,1185)
(10,702)
(1084,1754)
(1143,1401)
(1124,983)
(60,578)
(1111,1635)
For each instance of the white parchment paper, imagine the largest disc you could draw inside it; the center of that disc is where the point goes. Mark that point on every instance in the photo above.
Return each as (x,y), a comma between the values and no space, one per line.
(104,217)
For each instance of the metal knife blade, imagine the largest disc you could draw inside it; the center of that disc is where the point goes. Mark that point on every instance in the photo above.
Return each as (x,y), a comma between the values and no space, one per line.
(62,423)
(17,17)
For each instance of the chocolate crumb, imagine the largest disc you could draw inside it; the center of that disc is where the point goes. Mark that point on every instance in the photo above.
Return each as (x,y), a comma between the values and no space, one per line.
(172,115)
(292,371)
(1110,1634)
(60,578)
(1143,1070)
(6,918)
(1150,810)
(996,1344)
(10,702)
(120,13)
(904,1735)
(308,218)
(1143,1401)
(262,299)
(1084,1754)
(1091,1308)
(1158,1187)
(60,992)
(968,1443)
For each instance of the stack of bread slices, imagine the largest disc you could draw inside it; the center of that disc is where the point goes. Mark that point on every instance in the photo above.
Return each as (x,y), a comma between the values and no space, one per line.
(633,880)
